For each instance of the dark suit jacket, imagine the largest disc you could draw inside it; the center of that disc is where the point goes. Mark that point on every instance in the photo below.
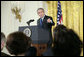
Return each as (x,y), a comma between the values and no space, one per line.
(45,24)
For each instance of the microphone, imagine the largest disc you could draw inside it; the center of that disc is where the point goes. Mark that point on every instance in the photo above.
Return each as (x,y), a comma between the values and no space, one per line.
(30,21)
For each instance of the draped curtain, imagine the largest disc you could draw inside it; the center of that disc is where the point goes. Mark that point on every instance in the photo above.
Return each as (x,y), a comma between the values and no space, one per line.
(72,12)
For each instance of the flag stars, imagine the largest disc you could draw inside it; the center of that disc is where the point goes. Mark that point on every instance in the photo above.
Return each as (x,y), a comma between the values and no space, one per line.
(59,13)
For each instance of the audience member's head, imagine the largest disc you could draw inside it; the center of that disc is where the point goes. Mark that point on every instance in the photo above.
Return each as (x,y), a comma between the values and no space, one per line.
(3,41)
(18,43)
(66,42)
(58,28)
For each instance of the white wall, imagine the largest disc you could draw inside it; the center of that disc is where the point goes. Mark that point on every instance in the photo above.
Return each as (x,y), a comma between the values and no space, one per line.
(10,24)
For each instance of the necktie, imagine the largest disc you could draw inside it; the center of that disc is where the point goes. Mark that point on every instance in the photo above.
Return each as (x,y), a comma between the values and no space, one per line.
(40,22)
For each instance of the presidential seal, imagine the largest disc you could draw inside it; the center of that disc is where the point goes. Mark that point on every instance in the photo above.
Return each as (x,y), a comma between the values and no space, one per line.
(27,31)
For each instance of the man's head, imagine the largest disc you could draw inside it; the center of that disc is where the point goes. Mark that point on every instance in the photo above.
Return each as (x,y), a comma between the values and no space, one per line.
(40,12)
(3,40)
(66,42)
(18,43)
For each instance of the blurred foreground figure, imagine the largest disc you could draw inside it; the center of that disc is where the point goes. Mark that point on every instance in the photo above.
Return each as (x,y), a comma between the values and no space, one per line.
(3,42)
(66,42)
(18,44)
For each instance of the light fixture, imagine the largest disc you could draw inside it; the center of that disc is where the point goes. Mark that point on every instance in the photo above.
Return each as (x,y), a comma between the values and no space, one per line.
(17,8)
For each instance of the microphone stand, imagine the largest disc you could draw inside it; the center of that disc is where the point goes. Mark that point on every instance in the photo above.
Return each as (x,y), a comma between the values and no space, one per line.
(30,22)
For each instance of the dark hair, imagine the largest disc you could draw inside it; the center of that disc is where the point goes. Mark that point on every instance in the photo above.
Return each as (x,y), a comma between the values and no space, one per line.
(58,28)
(17,43)
(40,9)
(66,42)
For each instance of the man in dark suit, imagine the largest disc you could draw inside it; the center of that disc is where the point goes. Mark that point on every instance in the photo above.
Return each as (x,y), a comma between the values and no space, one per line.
(45,22)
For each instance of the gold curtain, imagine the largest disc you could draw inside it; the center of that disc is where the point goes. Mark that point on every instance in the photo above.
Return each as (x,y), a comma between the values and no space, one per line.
(72,12)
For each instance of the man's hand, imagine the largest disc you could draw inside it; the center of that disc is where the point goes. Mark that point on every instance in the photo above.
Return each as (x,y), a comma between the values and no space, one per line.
(49,20)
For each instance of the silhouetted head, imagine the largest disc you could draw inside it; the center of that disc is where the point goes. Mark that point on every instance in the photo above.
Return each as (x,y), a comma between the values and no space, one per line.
(66,42)
(18,43)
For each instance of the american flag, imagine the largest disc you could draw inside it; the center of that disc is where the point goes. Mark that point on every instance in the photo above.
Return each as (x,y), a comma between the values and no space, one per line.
(59,14)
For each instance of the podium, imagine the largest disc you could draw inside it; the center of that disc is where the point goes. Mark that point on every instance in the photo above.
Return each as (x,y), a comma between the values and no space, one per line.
(39,37)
